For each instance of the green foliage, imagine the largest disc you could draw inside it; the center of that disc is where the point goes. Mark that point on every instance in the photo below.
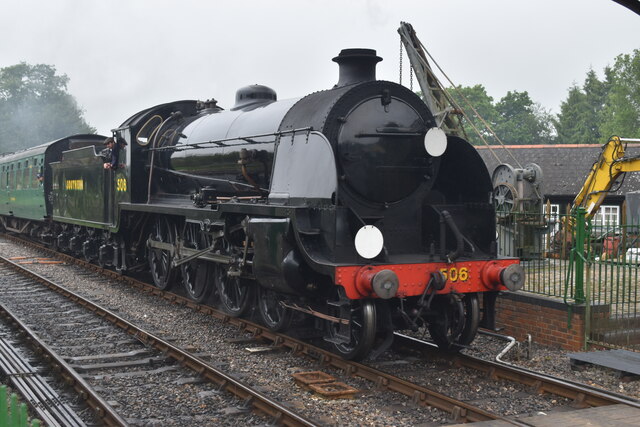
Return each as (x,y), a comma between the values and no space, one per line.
(621,112)
(591,113)
(602,108)
(36,108)
(476,96)
(521,121)
(574,122)
(581,113)
(515,118)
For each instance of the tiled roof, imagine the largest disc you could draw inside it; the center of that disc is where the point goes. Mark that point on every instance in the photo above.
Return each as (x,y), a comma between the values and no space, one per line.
(564,167)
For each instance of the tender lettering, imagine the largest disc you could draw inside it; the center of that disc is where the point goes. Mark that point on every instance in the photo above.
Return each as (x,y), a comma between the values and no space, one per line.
(74,184)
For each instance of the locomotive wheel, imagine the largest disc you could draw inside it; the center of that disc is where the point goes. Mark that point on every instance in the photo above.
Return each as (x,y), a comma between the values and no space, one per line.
(160,260)
(233,292)
(79,234)
(362,331)
(472,319)
(90,256)
(457,321)
(196,275)
(103,239)
(274,315)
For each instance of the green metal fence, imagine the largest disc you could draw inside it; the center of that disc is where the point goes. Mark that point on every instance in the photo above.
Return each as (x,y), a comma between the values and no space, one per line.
(543,248)
(612,280)
(581,262)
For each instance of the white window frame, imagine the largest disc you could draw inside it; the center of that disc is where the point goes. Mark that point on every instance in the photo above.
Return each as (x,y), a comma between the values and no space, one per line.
(554,221)
(607,215)
(555,210)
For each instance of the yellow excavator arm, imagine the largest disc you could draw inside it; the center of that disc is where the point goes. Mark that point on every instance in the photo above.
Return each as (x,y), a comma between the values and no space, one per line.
(604,172)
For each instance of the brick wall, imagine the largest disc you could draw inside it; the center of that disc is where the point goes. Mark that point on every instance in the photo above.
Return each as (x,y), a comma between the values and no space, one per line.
(544,318)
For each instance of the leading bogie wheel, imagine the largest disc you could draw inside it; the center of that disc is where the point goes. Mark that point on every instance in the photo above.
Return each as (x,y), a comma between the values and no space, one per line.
(355,340)
(456,323)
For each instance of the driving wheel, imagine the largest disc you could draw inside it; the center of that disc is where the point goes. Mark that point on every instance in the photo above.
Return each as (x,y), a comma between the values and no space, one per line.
(162,272)
(196,274)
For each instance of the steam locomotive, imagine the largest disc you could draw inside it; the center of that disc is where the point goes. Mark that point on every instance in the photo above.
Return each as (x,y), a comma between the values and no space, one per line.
(346,206)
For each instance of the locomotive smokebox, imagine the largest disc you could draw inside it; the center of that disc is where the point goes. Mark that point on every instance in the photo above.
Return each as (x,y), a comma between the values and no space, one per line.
(356,66)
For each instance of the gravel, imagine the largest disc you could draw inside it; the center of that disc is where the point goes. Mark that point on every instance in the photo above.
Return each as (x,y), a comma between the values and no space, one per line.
(272,371)
(554,362)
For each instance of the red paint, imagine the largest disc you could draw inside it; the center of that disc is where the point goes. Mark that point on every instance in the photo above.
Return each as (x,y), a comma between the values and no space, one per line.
(481,276)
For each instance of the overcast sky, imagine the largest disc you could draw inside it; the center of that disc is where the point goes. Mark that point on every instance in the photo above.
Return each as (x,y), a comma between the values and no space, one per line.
(126,55)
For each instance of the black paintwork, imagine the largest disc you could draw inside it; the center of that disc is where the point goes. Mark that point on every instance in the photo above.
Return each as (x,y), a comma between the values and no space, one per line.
(185,159)
(385,177)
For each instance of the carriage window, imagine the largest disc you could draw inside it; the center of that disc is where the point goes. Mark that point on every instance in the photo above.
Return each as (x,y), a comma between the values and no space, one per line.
(38,178)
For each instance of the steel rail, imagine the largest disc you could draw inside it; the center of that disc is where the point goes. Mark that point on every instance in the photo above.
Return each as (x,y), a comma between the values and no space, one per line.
(102,409)
(460,411)
(258,400)
(25,378)
(581,394)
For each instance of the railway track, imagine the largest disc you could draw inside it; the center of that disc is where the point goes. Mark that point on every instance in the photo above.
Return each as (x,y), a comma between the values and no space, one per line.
(459,411)
(581,395)
(419,395)
(25,377)
(76,326)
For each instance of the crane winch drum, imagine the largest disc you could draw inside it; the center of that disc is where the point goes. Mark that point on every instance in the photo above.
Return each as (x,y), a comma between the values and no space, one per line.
(517,189)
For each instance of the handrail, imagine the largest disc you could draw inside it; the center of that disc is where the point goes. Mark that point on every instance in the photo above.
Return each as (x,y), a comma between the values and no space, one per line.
(221,142)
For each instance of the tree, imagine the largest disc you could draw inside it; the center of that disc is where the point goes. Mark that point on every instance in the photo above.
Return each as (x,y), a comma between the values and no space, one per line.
(581,113)
(521,121)
(621,112)
(573,123)
(36,108)
(477,97)
(515,119)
